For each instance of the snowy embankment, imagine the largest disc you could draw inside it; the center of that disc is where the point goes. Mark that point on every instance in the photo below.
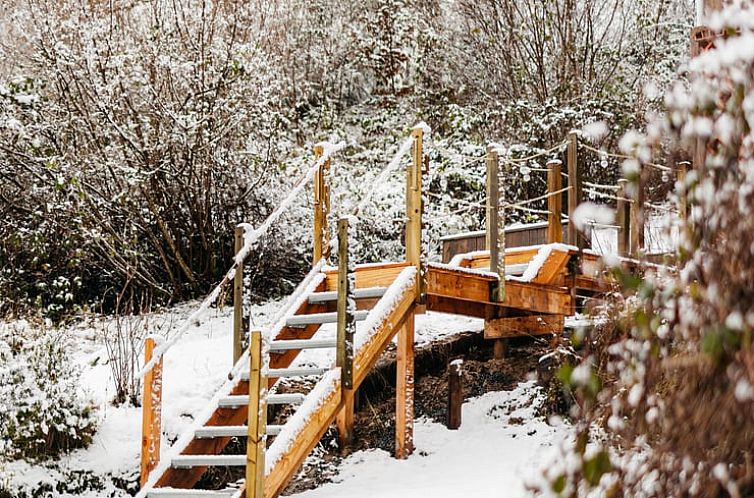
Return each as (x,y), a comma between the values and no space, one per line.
(500,448)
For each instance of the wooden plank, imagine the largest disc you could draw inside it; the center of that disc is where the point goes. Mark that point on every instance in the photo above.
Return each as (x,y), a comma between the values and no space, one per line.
(404,390)
(370,275)
(460,285)
(370,353)
(501,328)
(151,409)
(539,298)
(553,269)
(469,289)
(257,420)
(623,218)
(302,446)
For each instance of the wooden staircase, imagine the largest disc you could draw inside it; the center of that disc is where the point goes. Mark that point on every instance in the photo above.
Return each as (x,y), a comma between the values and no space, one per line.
(385,300)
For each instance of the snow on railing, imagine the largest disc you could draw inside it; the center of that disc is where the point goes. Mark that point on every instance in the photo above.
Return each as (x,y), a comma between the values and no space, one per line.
(251,237)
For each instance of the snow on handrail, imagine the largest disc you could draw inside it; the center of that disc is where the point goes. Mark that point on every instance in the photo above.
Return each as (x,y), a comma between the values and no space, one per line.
(391,166)
(251,236)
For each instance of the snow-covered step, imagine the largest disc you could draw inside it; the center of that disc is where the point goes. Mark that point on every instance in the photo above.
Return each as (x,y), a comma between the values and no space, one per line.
(213,431)
(189,461)
(320,318)
(517,270)
(190,493)
(272,399)
(275,373)
(366,293)
(277,346)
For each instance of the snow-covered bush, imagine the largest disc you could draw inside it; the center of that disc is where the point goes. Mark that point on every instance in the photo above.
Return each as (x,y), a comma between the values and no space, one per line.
(42,411)
(677,396)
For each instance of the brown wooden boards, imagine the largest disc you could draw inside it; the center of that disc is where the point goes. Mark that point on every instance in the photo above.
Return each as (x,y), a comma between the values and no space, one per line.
(370,275)
(501,328)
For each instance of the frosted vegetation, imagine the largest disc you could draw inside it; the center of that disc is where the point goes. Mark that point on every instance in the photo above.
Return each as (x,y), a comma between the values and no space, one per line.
(134,140)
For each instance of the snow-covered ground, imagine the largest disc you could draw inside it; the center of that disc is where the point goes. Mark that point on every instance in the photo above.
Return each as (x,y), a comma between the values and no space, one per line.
(504,454)
(500,449)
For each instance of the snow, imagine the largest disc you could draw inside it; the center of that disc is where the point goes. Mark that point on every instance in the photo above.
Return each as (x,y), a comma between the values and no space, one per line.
(491,455)
(463,269)
(588,213)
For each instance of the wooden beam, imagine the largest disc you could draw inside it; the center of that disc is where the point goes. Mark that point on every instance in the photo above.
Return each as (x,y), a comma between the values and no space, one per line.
(151,410)
(345,332)
(502,328)
(257,421)
(238,299)
(404,390)
(321,208)
(574,194)
(624,220)
(345,420)
(554,202)
(302,445)
(414,208)
(495,222)
(468,291)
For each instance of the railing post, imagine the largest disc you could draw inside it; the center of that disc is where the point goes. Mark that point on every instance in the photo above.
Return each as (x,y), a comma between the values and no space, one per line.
(455,394)
(554,202)
(623,218)
(257,419)
(414,210)
(321,208)
(346,308)
(404,389)
(151,410)
(495,222)
(683,199)
(238,321)
(637,216)
(574,194)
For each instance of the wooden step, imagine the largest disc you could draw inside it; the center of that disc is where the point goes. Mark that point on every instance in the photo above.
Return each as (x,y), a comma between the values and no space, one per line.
(277,346)
(189,461)
(213,431)
(366,293)
(272,399)
(276,373)
(320,318)
(190,493)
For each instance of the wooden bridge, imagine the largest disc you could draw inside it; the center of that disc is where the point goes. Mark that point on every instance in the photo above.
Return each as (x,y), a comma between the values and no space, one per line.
(516,290)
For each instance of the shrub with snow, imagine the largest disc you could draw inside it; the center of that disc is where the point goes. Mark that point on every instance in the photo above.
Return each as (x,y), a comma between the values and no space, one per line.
(42,412)
(677,401)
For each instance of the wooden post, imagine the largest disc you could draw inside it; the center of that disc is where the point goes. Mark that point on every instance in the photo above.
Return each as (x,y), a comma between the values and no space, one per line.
(321,208)
(683,198)
(637,216)
(346,328)
(414,211)
(404,390)
(554,202)
(151,414)
(257,420)
(574,194)
(455,394)
(495,222)
(238,299)
(623,218)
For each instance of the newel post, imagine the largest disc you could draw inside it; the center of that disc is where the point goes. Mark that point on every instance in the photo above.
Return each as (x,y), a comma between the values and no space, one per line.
(151,410)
